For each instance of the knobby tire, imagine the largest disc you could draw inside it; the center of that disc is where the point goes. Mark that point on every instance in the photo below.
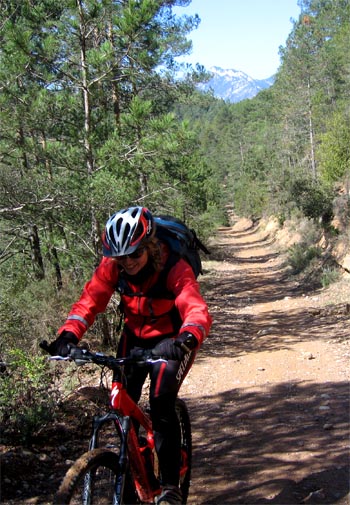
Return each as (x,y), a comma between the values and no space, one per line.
(99,467)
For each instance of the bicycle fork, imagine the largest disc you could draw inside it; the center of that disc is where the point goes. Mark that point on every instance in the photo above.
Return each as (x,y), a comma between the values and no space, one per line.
(130,452)
(122,425)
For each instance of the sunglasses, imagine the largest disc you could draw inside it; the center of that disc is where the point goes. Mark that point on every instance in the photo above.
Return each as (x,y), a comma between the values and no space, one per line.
(134,255)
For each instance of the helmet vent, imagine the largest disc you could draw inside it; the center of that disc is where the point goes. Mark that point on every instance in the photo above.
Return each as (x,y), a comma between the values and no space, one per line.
(119,225)
(126,229)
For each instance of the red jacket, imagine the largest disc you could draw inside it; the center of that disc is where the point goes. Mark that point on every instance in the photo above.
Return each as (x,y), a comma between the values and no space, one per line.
(143,319)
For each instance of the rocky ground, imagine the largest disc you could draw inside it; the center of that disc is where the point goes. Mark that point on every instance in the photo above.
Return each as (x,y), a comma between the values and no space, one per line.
(268,394)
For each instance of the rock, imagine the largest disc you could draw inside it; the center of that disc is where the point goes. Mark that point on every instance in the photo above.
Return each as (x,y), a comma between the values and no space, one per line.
(318,495)
(44,457)
(328,426)
(242,416)
(308,355)
(240,484)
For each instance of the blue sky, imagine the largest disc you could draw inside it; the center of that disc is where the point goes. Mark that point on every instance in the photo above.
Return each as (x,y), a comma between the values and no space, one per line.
(241,34)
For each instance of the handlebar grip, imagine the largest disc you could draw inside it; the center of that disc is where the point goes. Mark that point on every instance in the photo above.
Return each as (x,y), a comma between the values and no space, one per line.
(77,352)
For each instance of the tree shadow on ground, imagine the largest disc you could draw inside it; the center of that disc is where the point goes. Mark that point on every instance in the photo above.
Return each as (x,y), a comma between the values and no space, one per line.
(232,302)
(253,286)
(233,295)
(234,335)
(295,429)
(286,429)
(39,469)
(220,252)
(225,244)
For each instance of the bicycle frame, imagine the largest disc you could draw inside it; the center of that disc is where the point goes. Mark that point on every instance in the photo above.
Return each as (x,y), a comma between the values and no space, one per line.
(124,411)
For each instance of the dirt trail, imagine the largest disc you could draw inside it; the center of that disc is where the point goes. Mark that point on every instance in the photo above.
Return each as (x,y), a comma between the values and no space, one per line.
(269,393)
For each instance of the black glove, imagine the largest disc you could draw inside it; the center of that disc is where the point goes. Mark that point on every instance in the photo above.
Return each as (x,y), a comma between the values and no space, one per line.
(62,345)
(139,354)
(175,349)
(186,341)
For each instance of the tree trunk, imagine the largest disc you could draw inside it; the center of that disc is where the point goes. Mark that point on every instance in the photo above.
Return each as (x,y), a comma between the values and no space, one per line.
(87,124)
(37,260)
(311,133)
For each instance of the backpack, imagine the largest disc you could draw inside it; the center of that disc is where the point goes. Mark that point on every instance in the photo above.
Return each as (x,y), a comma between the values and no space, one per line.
(181,240)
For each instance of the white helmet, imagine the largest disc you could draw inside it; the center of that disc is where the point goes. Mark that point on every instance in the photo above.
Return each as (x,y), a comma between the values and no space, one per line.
(125,230)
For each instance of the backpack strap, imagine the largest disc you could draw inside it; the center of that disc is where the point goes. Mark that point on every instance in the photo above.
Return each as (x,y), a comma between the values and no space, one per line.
(159,289)
(198,243)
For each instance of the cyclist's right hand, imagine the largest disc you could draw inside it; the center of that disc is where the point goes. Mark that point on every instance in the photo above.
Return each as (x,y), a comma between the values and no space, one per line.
(63,343)
(137,353)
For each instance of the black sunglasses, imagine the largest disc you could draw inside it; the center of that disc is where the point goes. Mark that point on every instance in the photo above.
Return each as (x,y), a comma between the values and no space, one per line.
(134,255)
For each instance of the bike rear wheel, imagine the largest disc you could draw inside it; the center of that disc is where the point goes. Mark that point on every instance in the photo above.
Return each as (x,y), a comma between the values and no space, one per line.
(186,447)
(95,478)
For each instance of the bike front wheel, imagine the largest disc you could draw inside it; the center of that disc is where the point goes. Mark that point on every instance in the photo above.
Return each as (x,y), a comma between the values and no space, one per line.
(95,478)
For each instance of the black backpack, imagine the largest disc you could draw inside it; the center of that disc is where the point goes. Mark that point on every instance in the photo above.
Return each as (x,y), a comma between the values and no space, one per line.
(181,240)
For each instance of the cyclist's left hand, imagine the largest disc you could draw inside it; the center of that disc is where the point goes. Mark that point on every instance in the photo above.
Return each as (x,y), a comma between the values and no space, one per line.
(175,348)
(186,341)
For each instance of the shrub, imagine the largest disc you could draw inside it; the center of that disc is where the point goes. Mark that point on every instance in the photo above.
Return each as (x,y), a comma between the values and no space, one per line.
(300,256)
(27,401)
(329,275)
(312,198)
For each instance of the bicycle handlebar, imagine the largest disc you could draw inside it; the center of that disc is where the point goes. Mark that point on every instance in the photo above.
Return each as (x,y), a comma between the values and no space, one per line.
(83,356)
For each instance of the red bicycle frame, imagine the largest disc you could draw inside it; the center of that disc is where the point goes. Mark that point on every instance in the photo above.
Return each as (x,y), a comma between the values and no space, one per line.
(121,401)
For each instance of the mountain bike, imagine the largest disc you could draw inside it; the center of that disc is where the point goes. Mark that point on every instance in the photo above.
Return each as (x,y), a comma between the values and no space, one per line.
(125,470)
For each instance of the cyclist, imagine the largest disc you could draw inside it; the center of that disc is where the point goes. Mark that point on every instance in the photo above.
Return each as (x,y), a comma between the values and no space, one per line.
(172,322)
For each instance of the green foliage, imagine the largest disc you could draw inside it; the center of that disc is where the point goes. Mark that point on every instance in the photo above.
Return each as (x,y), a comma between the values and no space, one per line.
(301,255)
(249,196)
(329,275)
(312,198)
(27,400)
(110,193)
(33,311)
(70,158)
(88,127)
(334,151)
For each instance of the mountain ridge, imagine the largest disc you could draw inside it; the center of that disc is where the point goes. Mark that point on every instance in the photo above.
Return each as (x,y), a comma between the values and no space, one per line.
(234,85)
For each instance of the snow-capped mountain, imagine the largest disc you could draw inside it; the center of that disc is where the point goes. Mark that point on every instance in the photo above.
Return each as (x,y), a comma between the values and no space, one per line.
(233,85)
